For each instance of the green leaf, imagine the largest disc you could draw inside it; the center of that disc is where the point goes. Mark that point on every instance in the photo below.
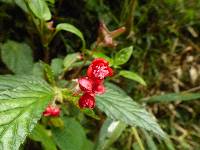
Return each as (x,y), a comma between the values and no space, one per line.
(57,66)
(6,1)
(101,55)
(88,145)
(22,101)
(56,122)
(110,132)
(136,146)
(17,57)
(71,137)
(40,9)
(38,70)
(119,106)
(133,76)
(70,59)
(19,3)
(90,113)
(22,5)
(80,63)
(169,144)
(40,134)
(70,28)
(51,1)
(172,97)
(149,140)
(123,56)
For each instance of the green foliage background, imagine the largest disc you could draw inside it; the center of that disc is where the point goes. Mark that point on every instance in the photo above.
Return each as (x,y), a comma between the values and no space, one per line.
(162,54)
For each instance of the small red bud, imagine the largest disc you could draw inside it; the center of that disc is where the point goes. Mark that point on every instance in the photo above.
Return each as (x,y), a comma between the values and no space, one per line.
(53,111)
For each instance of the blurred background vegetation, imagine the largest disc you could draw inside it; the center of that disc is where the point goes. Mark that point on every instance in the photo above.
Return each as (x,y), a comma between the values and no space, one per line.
(166,53)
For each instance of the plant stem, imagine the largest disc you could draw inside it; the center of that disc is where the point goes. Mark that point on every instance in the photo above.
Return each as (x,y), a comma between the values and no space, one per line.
(46,54)
(84,61)
(130,18)
(138,138)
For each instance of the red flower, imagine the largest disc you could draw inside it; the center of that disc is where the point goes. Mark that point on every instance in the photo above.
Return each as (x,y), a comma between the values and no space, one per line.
(87,85)
(87,101)
(93,83)
(99,69)
(53,111)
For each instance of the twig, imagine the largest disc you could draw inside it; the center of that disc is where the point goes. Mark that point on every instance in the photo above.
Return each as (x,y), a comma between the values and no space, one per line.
(193,89)
(195,46)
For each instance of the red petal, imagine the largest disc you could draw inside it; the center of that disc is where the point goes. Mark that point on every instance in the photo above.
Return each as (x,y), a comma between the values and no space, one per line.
(46,114)
(55,111)
(87,101)
(99,89)
(89,71)
(47,111)
(110,71)
(96,81)
(99,61)
(85,84)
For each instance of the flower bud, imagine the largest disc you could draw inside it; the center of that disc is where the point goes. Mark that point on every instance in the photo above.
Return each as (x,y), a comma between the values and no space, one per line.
(53,111)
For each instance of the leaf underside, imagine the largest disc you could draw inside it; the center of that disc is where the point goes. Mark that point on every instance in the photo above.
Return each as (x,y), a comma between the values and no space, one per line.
(119,106)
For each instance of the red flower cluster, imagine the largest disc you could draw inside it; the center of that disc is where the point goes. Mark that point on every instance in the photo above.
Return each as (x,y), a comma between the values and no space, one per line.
(52,111)
(93,83)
